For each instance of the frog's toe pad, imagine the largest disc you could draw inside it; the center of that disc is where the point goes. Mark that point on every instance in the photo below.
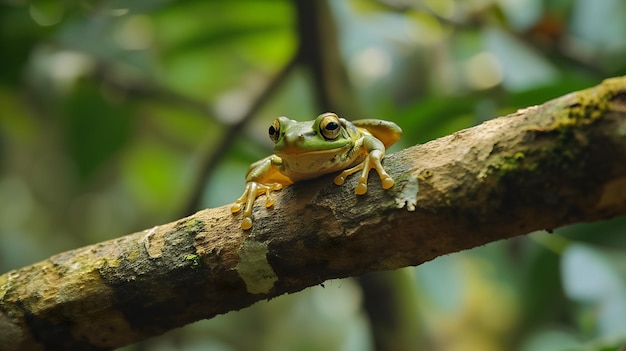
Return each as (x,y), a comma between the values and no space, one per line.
(235,208)
(387,182)
(246,223)
(339,180)
(269,203)
(360,189)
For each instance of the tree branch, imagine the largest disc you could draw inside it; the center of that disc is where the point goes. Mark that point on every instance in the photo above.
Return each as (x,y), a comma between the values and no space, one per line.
(540,168)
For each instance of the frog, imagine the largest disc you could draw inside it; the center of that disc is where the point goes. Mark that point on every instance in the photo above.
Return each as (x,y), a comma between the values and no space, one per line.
(310,149)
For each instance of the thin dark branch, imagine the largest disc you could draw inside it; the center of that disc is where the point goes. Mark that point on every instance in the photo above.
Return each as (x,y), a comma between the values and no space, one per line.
(319,51)
(147,90)
(213,154)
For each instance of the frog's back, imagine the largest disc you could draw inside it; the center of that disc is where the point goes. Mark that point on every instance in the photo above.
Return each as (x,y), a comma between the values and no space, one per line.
(387,132)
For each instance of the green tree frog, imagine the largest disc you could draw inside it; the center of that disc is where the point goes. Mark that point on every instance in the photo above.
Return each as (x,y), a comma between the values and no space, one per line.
(305,150)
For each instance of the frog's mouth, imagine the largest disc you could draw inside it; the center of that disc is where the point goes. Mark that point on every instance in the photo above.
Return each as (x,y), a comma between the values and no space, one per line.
(306,153)
(297,153)
(294,150)
(309,164)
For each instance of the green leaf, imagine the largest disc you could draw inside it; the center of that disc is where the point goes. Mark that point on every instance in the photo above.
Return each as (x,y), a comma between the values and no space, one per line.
(95,128)
(591,276)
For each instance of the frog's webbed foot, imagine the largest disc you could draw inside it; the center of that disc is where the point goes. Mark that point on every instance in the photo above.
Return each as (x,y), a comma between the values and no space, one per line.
(246,200)
(373,160)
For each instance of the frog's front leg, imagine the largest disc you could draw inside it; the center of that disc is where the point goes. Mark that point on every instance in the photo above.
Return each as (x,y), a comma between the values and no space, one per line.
(263,177)
(372,160)
(252,191)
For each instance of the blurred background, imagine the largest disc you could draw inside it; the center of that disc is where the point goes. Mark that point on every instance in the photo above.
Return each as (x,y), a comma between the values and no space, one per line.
(116,116)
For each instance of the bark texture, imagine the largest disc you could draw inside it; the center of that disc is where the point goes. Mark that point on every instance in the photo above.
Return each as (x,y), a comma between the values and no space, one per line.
(543,167)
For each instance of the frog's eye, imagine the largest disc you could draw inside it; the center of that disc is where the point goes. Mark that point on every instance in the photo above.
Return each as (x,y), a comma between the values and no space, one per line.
(274,130)
(329,127)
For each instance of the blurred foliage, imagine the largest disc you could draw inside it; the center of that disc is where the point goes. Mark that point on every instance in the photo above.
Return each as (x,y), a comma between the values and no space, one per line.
(114,115)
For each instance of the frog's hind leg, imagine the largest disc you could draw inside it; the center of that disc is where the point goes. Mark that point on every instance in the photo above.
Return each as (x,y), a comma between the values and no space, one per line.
(373,160)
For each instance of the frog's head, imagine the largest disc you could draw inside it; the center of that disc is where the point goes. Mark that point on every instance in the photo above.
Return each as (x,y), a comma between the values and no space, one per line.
(326,134)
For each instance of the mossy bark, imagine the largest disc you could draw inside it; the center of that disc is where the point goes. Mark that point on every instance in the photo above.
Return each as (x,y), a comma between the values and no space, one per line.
(542,167)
